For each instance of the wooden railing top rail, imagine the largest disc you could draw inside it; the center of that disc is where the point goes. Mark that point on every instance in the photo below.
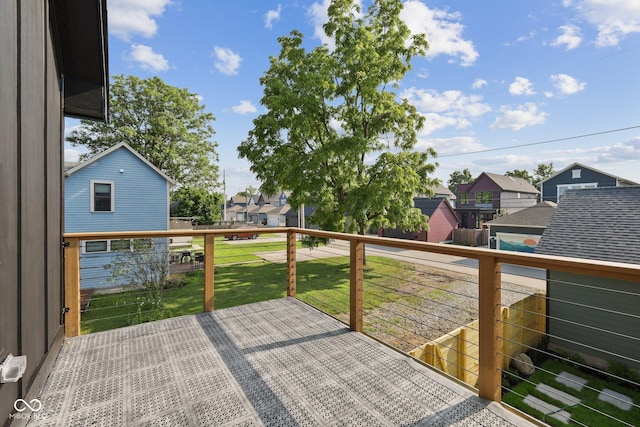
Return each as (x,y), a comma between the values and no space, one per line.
(614,270)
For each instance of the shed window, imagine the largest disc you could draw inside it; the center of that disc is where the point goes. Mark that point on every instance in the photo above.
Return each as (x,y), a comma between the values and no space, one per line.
(96,246)
(101,196)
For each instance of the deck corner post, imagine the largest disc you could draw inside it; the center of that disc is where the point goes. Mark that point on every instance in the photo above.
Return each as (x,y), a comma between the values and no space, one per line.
(357,285)
(209,271)
(72,287)
(490,328)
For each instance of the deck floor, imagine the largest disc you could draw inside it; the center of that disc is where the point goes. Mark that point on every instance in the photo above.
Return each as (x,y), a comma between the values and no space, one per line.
(275,363)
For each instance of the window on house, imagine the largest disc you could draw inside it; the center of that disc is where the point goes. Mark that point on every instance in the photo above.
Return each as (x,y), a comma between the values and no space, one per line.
(96,246)
(464,198)
(484,197)
(564,187)
(101,196)
(575,173)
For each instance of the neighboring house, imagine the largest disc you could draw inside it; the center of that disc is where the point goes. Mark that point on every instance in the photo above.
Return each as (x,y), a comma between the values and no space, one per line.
(577,176)
(442,222)
(276,216)
(442,191)
(491,194)
(520,231)
(292,217)
(596,224)
(54,63)
(276,200)
(116,190)
(240,200)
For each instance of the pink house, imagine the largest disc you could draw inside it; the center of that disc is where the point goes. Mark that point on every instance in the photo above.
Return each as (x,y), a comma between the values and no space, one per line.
(442,221)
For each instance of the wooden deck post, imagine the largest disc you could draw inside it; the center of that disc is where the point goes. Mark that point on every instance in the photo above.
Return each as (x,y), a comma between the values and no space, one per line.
(209,271)
(489,328)
(291,263)
(72,287)
(357,285)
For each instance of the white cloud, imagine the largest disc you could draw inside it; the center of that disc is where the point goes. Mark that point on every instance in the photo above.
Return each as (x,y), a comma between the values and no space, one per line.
(479,83)
(566,84)
(570,37)
(227,61)
(448,146)
(521,86)
(443,30)
(71,155)
(271,16)
(146,58)
(244,107)
(523,116)
(129,18)
(522,39)
(614,19)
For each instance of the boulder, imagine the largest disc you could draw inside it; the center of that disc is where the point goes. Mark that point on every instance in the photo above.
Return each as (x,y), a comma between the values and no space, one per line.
(523,364)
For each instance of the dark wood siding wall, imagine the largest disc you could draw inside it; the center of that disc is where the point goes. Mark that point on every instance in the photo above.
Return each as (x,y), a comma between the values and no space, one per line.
(31,195)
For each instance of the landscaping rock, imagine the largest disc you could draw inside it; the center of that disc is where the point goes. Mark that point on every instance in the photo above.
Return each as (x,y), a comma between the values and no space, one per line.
(523,364)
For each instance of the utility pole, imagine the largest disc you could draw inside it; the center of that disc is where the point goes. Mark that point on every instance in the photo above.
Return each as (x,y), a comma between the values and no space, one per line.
(224,192)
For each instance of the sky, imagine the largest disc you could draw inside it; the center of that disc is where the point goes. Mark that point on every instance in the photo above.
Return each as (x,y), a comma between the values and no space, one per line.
(505,84)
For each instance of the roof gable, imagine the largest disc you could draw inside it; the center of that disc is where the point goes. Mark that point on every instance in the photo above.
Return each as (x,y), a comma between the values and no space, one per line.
(599,223)
(582,166)
(512,184)
(429,206)
(105,153)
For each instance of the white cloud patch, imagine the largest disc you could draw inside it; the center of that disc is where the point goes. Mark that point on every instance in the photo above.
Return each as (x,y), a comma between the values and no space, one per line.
(244,107)
(271,16)
(570,38)
(128,18)
(71,155)
(227,61)
(614,19)
(446,109)
(448,146)
(146,58)
(566,84)
(479,83)
(521,86)
(523,116)
(443,30)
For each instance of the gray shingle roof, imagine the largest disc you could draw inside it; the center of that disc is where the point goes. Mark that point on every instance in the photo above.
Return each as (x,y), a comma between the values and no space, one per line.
(599,223)
(508,183)
(535,216)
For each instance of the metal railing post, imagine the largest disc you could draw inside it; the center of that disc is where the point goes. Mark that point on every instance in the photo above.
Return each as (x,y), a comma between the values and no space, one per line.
(489,328)
(357,285)
(291,263)
(209,270)
(72,287)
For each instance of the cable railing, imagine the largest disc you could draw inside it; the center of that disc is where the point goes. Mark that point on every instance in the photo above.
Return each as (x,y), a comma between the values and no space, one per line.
(473,313)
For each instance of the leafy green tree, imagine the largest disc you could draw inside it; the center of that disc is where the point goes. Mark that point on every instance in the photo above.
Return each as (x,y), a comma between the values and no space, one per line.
(459,177)
(335,133)
(520,173)
(165,124)
(542,172)
(197,202)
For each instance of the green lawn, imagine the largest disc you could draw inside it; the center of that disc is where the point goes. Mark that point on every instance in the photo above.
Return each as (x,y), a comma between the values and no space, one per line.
(323,283)
(589,398)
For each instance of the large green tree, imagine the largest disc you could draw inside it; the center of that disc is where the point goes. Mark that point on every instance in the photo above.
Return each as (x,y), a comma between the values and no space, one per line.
(165,124)
(542,172)
(459,177)
(520,173)
(196,202)
(335,133)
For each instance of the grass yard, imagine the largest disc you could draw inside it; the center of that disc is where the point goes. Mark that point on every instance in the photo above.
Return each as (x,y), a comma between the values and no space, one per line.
(589,397)
(323,283)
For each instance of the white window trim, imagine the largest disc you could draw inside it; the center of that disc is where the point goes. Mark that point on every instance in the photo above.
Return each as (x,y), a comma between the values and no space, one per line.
(572,186)
(92,193)
(84,245)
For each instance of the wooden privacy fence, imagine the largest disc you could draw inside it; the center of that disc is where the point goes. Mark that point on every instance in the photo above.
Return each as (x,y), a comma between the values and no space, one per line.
(471,237)
(457,353)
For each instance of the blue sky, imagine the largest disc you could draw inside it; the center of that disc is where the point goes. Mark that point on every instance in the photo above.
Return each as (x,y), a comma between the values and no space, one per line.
(498,74)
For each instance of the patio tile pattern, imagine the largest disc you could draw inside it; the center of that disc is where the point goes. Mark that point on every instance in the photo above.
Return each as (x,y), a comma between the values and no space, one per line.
(275,363)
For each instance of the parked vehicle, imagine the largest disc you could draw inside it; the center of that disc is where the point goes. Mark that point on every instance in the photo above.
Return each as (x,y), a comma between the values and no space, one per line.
(247,232)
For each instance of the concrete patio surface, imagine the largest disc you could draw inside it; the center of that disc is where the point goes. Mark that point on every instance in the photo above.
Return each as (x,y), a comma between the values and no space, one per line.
(274,363)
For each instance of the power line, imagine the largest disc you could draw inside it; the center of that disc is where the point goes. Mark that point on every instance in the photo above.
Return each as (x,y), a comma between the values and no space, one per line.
(543,142)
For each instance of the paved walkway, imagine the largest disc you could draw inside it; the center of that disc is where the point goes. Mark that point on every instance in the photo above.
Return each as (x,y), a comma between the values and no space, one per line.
(275,363)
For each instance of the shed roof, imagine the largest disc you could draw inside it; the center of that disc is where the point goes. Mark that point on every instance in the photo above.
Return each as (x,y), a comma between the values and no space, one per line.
(537,216)
(428,206)
(599,223)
